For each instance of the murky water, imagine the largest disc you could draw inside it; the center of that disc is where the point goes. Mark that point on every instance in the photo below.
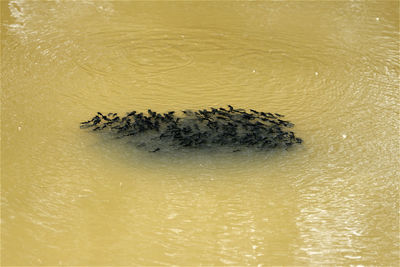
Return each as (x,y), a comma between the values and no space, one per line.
(72,198)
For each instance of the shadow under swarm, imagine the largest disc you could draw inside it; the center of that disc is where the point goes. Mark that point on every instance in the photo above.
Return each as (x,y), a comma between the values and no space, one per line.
(234,128)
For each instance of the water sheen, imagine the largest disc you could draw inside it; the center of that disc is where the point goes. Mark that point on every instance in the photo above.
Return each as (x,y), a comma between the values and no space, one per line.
(72,198)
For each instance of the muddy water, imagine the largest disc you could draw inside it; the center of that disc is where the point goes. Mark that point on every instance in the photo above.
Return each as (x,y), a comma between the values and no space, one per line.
(70,197)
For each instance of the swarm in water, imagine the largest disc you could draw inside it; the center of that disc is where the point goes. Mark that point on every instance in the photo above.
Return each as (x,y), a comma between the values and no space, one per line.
(235,128)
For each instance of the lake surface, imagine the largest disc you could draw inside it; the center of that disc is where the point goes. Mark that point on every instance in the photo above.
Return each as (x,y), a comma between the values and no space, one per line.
(70,197)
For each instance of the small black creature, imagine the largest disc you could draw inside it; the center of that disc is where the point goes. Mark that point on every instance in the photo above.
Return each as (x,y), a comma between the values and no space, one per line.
(197,129)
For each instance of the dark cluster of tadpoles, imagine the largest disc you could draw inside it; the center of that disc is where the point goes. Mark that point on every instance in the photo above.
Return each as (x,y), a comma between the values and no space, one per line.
(234,128)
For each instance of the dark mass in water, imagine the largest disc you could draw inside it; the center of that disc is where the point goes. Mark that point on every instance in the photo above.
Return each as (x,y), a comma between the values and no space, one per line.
(234,128)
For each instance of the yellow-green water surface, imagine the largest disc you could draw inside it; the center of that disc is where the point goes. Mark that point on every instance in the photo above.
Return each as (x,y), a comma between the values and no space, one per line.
(69,197)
